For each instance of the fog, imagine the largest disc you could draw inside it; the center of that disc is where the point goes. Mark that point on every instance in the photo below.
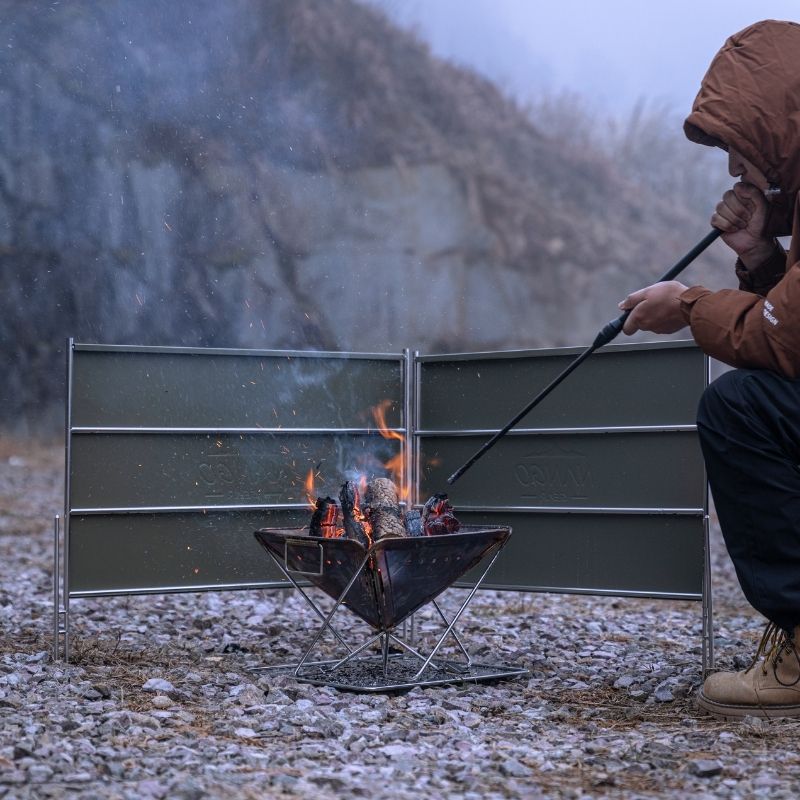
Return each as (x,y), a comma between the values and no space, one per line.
(302,174)
(614,54)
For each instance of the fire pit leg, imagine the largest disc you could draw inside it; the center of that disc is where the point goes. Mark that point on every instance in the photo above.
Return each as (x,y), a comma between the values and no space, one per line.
(413,652)
(456,617)
(455,635)
(327,621)
(356,652)
(385,653)
(308,600)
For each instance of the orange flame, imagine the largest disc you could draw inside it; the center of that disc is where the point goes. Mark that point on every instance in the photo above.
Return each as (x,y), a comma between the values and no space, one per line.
(309,487)
(395,466)
(358,514)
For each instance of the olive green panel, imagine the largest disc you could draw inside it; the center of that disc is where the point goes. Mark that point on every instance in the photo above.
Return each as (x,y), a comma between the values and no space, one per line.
(614,387)
(616,554)
(196,390)
(156,470)
(130,553)
(618,470)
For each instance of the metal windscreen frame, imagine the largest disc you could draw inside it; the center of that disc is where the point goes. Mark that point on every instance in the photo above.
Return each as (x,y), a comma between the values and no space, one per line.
(447,402)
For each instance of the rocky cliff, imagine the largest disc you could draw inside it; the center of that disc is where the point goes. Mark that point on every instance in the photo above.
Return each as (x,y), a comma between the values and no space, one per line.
(288,173)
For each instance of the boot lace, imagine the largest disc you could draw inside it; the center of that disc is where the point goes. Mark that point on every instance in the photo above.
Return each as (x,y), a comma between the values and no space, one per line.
(775,644)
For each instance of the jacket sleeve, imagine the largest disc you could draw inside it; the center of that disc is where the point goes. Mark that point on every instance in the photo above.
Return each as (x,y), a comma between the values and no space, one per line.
(764,277)
(746,330)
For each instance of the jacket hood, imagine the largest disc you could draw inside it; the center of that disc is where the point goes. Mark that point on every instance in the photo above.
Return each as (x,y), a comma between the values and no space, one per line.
(750,100)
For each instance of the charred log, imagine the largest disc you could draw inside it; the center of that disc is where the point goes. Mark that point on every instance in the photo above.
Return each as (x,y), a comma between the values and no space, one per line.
(325,518)
(351,512)
(383,509)
(413,522)
(438,518)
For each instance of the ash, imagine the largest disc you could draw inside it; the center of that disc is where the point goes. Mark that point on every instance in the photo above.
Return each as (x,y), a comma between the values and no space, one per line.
(161,702)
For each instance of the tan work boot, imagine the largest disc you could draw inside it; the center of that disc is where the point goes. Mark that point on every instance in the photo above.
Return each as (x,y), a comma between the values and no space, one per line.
(769,689)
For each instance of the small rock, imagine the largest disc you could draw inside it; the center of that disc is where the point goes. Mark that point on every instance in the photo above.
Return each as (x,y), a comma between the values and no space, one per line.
(250,695)
(39,773)
(514,768)
(78,777)
(158,685)
(22,750)
(705,768)
(161,701)
(754,723)
(35,658)
(186,791)
(663,694)
(397,751)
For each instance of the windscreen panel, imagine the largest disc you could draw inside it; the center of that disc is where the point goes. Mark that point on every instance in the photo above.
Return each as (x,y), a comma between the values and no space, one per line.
(132,553)
(603,482)
(620,385)
(620,554)
(174,389)
(146,470)
(611,470)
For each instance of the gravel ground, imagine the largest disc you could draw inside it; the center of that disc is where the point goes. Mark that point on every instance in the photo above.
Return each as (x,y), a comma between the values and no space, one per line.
(160,701)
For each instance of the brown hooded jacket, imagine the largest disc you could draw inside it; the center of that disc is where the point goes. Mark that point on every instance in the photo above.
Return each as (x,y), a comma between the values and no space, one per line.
(750,100)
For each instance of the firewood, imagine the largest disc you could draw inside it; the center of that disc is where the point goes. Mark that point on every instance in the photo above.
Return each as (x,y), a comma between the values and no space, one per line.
(324,519)
(438,518)
(383,509)
(413,522)
(351,512)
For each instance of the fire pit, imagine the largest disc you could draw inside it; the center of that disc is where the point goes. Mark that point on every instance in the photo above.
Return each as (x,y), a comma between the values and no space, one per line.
(384,584)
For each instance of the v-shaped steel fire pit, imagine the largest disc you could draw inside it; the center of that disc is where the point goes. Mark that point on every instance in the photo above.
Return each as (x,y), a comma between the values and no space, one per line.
(384,586)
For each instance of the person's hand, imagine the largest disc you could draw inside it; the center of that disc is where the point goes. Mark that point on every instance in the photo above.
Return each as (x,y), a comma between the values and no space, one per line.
(740,215)
(656,308)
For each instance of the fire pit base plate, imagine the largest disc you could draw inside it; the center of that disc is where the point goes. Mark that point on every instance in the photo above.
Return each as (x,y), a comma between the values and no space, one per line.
(366,674)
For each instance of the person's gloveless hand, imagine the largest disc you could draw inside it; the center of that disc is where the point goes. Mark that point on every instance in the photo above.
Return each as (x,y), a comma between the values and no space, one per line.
(656,308)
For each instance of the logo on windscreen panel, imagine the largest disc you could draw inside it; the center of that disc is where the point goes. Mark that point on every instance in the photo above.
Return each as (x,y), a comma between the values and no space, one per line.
(553,475)
(219,473)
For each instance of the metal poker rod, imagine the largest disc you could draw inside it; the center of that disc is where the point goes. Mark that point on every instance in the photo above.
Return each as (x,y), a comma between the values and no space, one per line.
(608,332)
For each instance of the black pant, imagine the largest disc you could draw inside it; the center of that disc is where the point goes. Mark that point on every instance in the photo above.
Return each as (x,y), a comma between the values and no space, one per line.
(749,427)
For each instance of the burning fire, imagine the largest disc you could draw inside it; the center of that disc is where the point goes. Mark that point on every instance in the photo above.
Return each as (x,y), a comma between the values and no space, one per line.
(327,511)
(394,466)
